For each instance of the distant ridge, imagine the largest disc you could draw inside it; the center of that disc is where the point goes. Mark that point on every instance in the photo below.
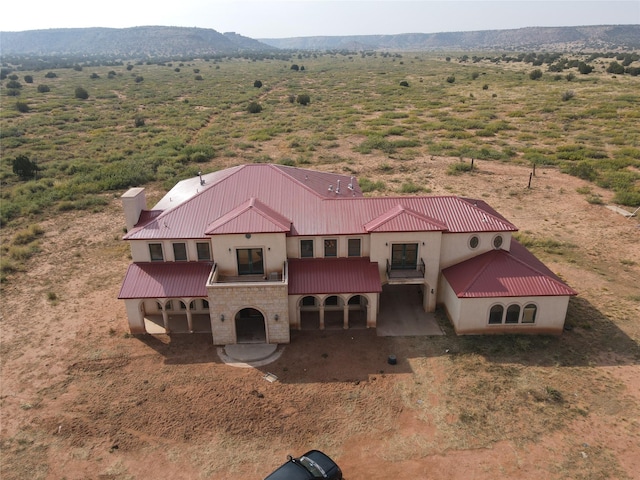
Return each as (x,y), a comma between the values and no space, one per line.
(161,41)
(591,38)
(154,41)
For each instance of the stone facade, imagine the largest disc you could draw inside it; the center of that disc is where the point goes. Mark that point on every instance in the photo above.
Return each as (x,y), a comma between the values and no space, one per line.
(269,298)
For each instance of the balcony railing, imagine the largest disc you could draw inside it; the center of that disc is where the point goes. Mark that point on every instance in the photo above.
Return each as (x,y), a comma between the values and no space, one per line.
(398,273)
(270,277)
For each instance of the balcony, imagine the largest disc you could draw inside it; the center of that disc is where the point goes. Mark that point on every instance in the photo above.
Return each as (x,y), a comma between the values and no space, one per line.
(269,277)
(404,275)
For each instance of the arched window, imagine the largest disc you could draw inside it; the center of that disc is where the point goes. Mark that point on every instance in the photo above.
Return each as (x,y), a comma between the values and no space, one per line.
(513,314)
(529,313)
(495,315)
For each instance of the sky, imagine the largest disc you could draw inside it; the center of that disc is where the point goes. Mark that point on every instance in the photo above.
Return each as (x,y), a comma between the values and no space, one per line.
(302,18)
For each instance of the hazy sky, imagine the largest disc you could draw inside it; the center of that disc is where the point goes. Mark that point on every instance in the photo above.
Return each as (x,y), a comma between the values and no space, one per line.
(293,18)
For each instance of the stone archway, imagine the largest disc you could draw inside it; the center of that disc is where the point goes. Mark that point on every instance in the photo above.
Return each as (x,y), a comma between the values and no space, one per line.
(250,326)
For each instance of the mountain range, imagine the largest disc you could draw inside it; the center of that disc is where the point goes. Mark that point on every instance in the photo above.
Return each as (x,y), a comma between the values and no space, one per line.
(159,41)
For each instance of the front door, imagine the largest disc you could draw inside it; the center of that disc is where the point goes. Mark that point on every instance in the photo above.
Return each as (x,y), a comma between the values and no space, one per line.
(404,256)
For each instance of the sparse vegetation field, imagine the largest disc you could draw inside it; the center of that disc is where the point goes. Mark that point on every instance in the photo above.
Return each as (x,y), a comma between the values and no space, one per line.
(81,398)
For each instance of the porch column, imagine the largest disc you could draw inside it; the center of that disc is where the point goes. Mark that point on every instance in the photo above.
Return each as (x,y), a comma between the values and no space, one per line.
(321,317)
(345,316)
(165,319)
(189,319)
(371,316)
(299,317)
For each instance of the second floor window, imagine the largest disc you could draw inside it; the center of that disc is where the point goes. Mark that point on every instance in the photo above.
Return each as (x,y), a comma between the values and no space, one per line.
(204,251)
(354,247)
(155,252)
(180,252)
(250,261)
(306,248)
(331,247)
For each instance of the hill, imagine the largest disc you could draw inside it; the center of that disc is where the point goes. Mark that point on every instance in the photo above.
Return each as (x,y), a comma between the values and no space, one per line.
(613,37)
(128,42)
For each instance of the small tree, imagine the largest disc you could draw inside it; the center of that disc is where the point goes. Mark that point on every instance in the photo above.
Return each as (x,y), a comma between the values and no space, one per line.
(14,84)
(451,79)
(24,168)
(295,67)
(404,83)
(129,67)
(81,93)
(94,76)
(50,75)
(28,79)
(535,74)
(584,69)
(139,79)
(615,68)
(303,99)
(257,84)
(254,107)
(43,88)
(139,121)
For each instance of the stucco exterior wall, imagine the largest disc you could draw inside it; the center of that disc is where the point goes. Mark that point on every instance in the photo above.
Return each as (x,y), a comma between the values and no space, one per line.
(270,298)
(455,246)
(135,314)
(273,250)
(471,315)
(293,245)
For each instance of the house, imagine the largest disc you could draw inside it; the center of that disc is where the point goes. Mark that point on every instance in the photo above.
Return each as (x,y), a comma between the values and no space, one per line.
(253,251)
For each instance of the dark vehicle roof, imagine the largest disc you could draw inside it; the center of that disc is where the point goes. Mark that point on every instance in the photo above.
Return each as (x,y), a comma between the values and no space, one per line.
(290,471)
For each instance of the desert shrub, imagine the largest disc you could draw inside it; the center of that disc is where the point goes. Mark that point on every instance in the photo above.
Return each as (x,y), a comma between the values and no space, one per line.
(81,93)
(13,84)
(28,235)
(568,95)
(582,169)
(138,121)
(94,76)
(451,79)
(28,79)
(291,98)
(257,84)
(22,107)
(24,167)
(404,83)
(50,75)
(43,88)
(367,185)
(628,198)
(474,75)
(254,107)
(198,78)
(615,68)
(410,187)
(535,74)
(295,67)
(303,99)
(459,168)
(139,79)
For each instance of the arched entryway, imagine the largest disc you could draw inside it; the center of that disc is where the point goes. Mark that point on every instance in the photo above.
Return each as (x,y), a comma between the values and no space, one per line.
(358,305)
(309,313)
(333,312)
(250,326)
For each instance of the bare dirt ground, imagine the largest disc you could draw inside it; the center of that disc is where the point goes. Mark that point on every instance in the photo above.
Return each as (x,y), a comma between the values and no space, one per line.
(81,399)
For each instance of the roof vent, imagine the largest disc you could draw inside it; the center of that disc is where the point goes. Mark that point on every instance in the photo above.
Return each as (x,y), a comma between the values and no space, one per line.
(350,186)
(330,188)
(201,180)
(338,188)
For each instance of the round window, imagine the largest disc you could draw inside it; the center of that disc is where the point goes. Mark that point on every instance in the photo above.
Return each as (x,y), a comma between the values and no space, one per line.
(474,241)
(497,241)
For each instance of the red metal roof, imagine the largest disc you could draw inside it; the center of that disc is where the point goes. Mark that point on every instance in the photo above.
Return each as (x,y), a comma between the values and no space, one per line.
(401,219)
(303,197)
(309,276)
(252,216)
(500,273)
(166,280)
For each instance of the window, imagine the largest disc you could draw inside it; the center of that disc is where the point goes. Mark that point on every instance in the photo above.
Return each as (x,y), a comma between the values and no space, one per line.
(495,314)
(354,247)
(192,305)
(497,241)
(183,306)
(180,252)
(308,301)
(205,304)
(306,248)
(168,305)
(529,313)
(404,256)
(513,314)
(155,252)
(333,300)
(474,241)
(204,251)
(250,261)
(331,247)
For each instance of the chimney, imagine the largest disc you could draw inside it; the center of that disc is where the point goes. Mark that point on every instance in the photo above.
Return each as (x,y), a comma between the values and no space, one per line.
(133,202)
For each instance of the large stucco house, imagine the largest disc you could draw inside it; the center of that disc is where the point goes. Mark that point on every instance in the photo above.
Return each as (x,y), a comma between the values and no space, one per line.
(251,252)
